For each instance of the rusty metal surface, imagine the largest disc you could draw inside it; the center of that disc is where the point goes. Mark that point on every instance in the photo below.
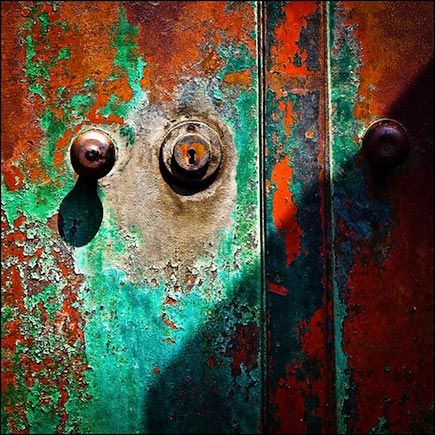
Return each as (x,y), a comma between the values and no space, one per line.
(381,66)
(298,299)
(133,304)
(145,315)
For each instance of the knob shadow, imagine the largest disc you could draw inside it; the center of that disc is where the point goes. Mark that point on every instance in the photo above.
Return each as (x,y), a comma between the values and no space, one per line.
(80,213)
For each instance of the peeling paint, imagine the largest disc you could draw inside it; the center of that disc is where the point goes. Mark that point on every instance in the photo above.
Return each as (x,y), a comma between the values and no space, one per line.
(151,315)
(126,307)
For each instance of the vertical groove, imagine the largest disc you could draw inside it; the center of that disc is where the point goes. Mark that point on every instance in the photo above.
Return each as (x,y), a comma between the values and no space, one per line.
(261,144)
(329,184)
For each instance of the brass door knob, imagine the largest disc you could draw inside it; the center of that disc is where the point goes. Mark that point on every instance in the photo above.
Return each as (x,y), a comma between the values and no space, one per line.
(92,154)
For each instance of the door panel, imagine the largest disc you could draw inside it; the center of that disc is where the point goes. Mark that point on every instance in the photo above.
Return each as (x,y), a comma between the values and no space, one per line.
(292,294)
(381,66)
(300,357)
(150,319)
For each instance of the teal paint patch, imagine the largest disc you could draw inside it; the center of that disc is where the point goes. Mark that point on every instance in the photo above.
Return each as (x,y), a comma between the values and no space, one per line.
(341,119)
(143,337)
(129,62)
(128,132)
(129,328)
(42,418)
(382,426)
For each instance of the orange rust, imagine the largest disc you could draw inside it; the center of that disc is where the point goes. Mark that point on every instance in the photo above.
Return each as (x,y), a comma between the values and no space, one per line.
(91,55)
(288,120)
(169,322)
(382,77)
(19,221)
(61,144)
(90,45)
(287,34)
(211,63)
(242,78)
(309,134)
(170,301)
(200,150)
(173,24)
(18,109)
(284,209)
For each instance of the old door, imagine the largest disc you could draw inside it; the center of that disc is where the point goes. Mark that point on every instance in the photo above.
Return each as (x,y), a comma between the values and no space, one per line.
(229,259)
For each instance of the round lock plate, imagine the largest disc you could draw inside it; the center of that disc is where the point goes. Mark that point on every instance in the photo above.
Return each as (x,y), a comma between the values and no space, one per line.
(190,156)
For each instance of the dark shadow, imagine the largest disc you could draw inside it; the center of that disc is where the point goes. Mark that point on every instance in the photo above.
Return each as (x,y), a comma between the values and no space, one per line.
(204,389)
(80,213)
(182,184)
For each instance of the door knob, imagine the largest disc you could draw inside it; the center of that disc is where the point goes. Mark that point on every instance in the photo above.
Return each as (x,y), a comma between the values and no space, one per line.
(92,154)
(386,143)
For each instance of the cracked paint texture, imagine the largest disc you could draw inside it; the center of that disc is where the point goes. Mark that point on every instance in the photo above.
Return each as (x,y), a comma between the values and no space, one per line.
(160,322)
(383,269)
(298,312)
(103,337)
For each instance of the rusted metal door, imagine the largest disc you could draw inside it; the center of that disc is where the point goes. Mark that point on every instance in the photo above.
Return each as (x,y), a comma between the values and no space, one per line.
(231,257)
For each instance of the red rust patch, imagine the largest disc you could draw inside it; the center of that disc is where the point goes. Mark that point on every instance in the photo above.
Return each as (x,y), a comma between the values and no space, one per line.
(284,209)
(299,383)
(278,289)
(169,25)
(286,49)
(244,347)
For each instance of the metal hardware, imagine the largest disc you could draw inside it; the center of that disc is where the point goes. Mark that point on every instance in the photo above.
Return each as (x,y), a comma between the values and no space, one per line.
(190,156)
(92,154)
(386,143)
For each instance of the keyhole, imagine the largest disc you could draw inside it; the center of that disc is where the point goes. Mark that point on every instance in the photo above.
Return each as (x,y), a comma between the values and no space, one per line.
(191,153)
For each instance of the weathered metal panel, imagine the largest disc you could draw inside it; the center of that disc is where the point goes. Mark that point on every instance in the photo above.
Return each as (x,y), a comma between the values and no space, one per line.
(130,308)
(381,65)
(149,321)
(300,358)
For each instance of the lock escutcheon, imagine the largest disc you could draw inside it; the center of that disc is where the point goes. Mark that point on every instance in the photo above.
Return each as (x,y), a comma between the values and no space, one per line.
(190,156)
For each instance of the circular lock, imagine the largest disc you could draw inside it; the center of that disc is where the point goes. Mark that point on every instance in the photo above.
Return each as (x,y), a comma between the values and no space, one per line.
(190,156)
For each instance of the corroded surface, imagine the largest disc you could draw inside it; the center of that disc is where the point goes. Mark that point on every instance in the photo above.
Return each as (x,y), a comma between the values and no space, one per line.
(130,308)
(146,318)
(299,347)
(381,65)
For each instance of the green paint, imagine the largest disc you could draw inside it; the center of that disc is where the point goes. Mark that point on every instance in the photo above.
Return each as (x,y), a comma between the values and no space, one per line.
(44,24)
(129,62)
(128,132)
(352,205)
(35,69)
(43,419)
(64,53)
(49,298)
(38,202)
(139,333)
(125,336)
(382,426)
(341,118)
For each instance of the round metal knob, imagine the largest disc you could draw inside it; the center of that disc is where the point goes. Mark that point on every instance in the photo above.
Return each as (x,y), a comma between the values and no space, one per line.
(92,154)
(386,143)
